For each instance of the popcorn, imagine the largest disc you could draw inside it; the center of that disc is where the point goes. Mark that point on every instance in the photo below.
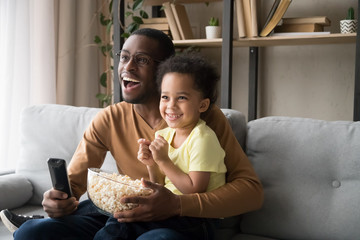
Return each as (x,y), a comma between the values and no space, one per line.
(106,189)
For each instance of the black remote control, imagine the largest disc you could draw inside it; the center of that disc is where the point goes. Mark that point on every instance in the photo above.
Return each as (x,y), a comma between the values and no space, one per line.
(59,176)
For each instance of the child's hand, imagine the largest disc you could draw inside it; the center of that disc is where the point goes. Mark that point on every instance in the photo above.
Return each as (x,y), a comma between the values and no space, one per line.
(144,153)
(159,149)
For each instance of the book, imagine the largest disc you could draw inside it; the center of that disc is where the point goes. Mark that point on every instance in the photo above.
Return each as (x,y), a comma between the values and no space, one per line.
(247,17)
(158,26)
(254,22)
(182,21)
(304,27)
(322,20)
(171,21)
(275,18)
(240,18)
(155,20)
(272,11)
(299,34)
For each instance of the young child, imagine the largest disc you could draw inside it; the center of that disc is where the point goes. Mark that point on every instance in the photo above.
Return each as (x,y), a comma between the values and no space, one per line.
(188,151)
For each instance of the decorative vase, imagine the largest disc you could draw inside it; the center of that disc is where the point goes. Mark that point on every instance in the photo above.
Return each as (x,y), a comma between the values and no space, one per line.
(213,32)
(348,26)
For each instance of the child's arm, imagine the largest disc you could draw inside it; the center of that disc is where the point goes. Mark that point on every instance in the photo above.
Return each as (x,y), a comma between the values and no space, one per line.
(145,156)
(186,183)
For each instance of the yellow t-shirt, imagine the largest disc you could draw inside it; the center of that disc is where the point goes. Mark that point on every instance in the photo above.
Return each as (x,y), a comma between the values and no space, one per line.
(201,151)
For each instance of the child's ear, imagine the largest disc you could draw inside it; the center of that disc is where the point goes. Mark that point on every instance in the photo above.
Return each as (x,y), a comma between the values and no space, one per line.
(204,105)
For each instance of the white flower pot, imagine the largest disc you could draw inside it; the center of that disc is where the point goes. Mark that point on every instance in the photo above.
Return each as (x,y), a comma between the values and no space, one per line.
(213,32)
(348,26)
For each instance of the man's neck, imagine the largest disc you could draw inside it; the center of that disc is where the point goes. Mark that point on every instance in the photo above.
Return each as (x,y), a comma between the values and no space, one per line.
(149,112)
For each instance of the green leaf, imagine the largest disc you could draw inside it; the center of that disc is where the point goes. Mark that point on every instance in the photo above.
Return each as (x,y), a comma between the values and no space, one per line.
(103,79)
(100,96)
(144,14)
(97,39)
(103,20)
(103,50)
(137,20)
(132,27)
(137,5)
(104,99)
(109,47)
(110,6)
(125,35)
(127,14)
(108,27)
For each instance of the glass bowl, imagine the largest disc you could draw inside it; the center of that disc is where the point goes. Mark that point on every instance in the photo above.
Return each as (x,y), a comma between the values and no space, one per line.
(106,189)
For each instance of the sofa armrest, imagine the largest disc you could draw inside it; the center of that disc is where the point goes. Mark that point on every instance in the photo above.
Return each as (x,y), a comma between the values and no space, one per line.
(15,191)
(5,172)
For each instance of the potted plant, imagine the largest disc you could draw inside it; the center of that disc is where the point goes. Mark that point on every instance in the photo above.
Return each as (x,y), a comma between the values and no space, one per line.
(349,25)
(213,30)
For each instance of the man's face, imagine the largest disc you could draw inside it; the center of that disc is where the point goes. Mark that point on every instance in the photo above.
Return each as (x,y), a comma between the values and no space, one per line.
(137,69)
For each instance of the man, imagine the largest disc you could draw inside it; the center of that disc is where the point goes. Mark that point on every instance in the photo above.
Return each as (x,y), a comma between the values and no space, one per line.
(117,129)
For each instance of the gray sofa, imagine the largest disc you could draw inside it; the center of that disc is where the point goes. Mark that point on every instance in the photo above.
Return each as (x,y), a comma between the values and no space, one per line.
(310,170)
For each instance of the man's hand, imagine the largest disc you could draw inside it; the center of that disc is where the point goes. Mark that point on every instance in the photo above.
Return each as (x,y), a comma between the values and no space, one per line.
(161,204)
(56,204)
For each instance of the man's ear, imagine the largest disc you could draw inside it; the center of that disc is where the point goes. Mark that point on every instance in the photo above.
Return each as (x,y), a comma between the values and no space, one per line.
(204,105)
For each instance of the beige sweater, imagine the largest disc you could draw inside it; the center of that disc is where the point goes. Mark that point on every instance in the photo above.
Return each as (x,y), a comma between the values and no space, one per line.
(117,129)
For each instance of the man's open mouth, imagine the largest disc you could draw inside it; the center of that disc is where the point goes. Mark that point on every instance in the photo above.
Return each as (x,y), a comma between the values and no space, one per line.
(129,82)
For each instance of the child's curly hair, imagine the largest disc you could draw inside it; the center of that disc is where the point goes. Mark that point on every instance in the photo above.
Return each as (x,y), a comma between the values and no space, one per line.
(203,72)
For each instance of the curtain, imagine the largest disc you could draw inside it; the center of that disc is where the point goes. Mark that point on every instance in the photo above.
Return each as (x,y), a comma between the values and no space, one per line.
(47,56)
(79,59)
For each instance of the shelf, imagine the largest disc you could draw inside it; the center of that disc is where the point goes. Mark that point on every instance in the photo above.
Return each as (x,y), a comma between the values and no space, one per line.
(335,38)
(199,42)
(160,2)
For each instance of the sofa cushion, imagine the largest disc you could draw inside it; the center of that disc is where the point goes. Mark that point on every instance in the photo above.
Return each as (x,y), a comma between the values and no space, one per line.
(15,191)
(238,124)
(310,173)
(49,131)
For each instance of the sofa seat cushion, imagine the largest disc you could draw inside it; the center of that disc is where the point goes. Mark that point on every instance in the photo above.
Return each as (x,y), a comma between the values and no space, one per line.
(310,173)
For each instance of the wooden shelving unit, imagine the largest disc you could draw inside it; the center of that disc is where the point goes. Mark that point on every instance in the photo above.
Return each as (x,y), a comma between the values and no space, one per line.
(227,43)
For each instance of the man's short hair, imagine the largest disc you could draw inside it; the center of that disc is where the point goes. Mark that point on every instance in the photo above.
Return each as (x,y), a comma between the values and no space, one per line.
(166,45)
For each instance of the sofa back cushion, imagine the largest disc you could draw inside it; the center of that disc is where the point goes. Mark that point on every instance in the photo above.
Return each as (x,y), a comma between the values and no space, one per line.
(310,170)
(49,130)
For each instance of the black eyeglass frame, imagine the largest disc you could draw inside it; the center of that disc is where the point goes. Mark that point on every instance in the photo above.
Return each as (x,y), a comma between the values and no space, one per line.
(118,54)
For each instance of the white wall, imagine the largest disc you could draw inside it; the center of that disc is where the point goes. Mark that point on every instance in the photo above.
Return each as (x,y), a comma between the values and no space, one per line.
(315,81)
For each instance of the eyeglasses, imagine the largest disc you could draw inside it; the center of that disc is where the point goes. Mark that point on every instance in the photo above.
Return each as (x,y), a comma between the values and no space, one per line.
(141,59)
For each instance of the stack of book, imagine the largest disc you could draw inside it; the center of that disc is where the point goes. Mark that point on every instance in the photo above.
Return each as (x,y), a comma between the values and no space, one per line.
(303,24)
(156,23)
(178,20)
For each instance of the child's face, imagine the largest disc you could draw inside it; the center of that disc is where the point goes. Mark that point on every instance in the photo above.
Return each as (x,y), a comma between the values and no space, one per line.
(180,103)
